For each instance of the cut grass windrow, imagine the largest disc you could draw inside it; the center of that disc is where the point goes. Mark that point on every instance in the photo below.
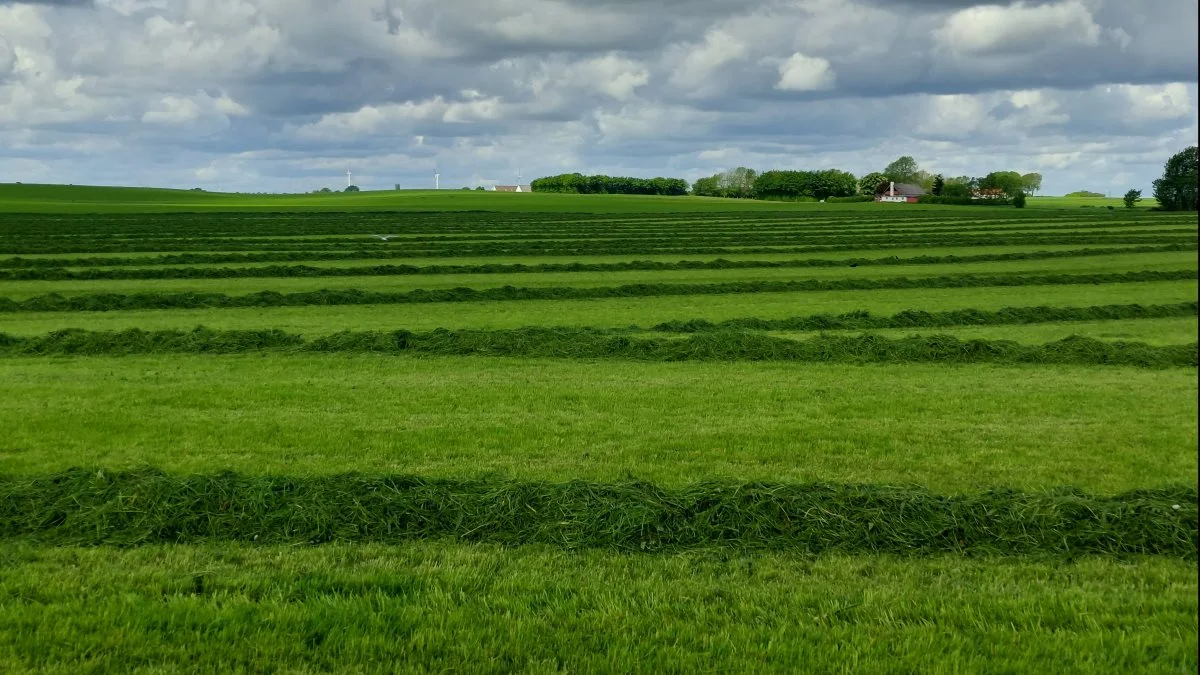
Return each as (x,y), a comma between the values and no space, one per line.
(580,343)
(681,244)
(62,274)
(862,320)
(94,507)
(115,301)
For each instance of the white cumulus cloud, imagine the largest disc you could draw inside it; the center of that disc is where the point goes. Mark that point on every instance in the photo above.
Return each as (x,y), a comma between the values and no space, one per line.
(805,73)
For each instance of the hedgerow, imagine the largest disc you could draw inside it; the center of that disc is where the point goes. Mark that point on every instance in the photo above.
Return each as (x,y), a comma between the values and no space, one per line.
(63,274)
(722,345)
(102,302)
(130,508)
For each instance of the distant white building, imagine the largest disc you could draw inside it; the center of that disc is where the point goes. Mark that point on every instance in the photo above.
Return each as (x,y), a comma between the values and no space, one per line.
(513,188)
(899,192)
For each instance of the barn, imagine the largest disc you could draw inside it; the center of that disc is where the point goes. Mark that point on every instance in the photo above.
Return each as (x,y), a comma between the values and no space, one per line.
(898,193)
(513,188)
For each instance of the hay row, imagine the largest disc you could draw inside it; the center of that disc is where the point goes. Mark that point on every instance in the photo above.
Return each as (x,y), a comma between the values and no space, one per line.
(292,256)
(285,271)
(130,508)
(103,302)
(582,343)
(911,318)
(365,222)
(650,235)
(680,244)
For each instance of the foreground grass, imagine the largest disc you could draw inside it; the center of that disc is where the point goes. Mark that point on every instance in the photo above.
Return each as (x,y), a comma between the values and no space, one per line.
(441,606)
(949,428)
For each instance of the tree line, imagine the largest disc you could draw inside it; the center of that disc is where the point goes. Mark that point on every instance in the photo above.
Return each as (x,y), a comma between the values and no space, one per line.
(1175,190)
(576,183)
(745,183)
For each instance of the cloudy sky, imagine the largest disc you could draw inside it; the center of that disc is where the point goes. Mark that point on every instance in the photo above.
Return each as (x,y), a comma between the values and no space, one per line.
(285,95)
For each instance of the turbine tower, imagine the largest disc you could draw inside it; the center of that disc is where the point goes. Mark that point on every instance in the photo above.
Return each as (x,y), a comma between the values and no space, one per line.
(518,180)
(348,175)
(436,179)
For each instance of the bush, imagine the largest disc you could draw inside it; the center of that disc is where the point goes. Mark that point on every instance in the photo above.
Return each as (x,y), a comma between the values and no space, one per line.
(1132,198)
(351,188)
(848,200)
(1019,200)
(1083,193)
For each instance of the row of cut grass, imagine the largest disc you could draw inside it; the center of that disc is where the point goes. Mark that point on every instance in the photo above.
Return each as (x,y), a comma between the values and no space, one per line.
(355,296)
(575,343)
(606,312)
(90,507)
(1174,331)
(681,245)
(153,260)
(146,273)
(392,283)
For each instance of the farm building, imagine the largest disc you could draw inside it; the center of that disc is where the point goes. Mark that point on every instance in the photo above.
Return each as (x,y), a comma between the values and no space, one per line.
(513,188)
(899,192)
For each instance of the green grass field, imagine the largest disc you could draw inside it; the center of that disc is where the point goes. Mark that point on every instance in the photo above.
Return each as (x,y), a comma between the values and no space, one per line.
(547,433)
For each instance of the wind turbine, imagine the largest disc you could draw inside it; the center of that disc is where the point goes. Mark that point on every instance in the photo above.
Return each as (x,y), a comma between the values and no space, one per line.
(348,175)
(436,178)
(518,180)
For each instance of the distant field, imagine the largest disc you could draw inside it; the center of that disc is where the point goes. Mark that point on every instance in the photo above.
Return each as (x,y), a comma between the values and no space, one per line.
(103,199)
(244,433)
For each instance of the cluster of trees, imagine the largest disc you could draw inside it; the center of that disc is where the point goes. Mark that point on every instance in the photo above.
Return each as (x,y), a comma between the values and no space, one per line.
(1176,190)
(735,184)
(811,184)
(744,183)
(576,183)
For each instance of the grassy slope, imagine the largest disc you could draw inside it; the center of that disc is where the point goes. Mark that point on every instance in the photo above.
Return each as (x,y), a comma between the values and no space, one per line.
(100,199)
(532,609)
(945,427)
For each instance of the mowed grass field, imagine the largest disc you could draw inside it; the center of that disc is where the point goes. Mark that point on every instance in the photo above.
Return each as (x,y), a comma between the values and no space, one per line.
(593,434)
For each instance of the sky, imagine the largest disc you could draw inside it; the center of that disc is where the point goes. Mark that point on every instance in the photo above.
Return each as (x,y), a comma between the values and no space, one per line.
(287,95)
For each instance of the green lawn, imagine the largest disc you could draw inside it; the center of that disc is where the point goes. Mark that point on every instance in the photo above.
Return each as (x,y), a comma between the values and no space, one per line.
(464,608)
(1109,450)
(944,427)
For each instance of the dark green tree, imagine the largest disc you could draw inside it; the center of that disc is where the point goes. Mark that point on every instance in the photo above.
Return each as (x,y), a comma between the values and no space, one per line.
(1132,198)
(1008,181)
(351,188)
(869,184)
(903,170)
(939,184)
(1019,199)
(1031,182)
(1176,190)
